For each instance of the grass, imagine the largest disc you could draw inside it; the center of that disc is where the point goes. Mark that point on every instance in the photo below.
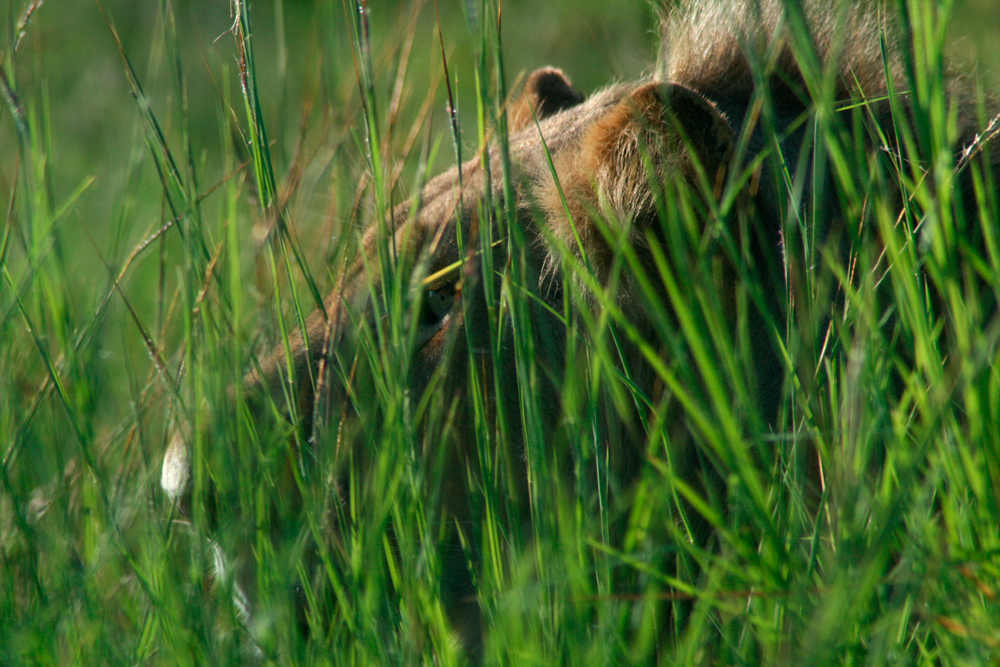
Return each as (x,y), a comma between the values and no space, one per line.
(149,258)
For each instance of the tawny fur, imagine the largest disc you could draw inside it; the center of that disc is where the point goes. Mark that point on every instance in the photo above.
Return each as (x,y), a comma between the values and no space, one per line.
(722,48)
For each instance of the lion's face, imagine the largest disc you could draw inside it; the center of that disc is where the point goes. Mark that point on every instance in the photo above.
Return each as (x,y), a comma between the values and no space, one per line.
(424,304)
(443,289)
(450,328)
(432,303)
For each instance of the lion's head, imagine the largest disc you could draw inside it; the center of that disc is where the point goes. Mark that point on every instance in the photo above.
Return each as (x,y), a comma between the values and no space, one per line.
(602,290)
(473,294)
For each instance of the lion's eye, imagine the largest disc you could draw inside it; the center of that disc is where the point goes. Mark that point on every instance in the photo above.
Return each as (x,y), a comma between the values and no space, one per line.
(437,306)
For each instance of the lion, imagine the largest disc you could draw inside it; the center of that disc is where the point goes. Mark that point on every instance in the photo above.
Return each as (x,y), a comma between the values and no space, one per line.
(576,216)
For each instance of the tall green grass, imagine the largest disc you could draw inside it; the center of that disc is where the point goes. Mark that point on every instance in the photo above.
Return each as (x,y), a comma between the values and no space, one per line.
(138,290)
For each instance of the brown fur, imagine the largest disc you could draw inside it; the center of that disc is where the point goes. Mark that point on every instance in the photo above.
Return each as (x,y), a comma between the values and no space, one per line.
(679,129)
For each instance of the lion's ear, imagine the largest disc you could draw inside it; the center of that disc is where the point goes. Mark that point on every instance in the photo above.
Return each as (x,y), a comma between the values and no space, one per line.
(658,132)
(706,131)
(546,92)
(667,127)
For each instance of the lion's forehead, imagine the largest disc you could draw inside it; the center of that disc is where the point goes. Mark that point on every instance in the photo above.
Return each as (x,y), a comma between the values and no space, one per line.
(566,128)
(439,199)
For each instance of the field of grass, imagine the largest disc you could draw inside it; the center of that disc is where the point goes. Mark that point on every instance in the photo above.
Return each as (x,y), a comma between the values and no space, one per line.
(176,197)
